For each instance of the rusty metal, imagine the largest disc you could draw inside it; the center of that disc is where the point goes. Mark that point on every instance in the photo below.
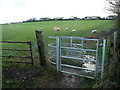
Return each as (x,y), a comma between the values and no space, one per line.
(11,56)
(14,42)
(31,53)
(16,62)
(14,50)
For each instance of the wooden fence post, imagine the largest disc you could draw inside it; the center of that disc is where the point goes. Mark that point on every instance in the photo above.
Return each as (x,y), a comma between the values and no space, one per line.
(116,52)
(42,58)
(108,53)
(107,56)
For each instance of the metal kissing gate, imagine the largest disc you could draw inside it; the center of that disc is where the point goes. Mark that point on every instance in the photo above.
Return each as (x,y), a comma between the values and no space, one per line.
(77,55)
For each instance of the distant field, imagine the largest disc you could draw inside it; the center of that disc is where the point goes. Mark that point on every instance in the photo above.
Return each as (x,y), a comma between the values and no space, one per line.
(26,31)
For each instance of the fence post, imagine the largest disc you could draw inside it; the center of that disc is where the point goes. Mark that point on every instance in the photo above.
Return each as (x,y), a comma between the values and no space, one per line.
(116,52)
(108,57)
(103,58)
(97,62)
(42,58)
(107,54)
(31,53)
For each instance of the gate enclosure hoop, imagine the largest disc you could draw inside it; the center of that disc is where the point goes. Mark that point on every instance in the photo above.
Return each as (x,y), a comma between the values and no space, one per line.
(69,53)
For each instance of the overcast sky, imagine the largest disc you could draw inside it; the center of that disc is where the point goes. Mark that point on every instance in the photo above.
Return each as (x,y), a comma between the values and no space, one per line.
(19,10)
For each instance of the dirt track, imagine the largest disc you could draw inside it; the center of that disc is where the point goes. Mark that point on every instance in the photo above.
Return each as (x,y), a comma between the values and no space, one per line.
(35,78)
(67,81)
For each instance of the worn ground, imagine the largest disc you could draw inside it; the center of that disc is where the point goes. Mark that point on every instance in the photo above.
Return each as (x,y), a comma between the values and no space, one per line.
(37,77)
(67,81)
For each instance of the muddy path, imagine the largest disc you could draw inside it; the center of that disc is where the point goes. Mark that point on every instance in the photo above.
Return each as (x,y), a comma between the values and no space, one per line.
(36,77)
(70,81)
(67,81)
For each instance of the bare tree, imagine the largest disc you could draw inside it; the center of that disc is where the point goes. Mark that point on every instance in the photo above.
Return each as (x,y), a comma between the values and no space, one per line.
(114,5)
(115,8)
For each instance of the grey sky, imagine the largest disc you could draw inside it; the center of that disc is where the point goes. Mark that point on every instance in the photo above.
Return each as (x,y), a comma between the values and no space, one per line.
(19,10)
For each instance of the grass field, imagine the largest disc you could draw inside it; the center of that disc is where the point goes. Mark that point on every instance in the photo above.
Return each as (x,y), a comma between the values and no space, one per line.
(26,32)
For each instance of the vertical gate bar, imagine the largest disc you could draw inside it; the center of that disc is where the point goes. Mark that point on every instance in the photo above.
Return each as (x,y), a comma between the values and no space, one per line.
(103,57)
(82,47)
(97,62)
(1,77)
(71,46)
(60,43)
(49,51)
(31,53)
(58,53)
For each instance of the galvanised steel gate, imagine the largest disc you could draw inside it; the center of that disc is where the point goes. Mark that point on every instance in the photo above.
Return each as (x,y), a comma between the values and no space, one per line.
(77,55)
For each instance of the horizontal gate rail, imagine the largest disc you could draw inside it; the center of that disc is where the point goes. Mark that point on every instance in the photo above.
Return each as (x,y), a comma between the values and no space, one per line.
(13,56)
(75,48)
(78,74)
(75,67)
(71,66)
(65,44)
(78,58)
(52,46)
(68,37)
(75,45)
(80,49)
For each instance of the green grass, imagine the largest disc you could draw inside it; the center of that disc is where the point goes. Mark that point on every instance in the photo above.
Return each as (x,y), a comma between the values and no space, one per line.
(13,80)
(26,31)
